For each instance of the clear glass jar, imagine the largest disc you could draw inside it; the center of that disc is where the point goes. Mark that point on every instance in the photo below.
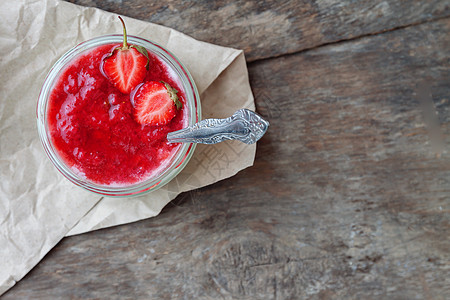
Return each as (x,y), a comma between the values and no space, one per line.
(177,162)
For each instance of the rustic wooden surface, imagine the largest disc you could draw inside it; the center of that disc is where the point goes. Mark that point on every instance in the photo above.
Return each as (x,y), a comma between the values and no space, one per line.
(349,196)
(271,28)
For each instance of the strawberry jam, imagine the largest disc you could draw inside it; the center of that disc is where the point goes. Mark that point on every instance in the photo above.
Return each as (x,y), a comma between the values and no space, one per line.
(93,127)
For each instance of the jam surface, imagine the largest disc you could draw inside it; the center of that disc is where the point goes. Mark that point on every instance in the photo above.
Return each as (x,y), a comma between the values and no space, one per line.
(92,123)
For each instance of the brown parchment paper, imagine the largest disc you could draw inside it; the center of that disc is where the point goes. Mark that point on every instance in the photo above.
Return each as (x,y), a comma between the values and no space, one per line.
(38,206)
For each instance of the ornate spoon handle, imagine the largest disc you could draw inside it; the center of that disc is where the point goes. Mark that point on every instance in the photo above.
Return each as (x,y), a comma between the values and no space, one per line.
(244,125)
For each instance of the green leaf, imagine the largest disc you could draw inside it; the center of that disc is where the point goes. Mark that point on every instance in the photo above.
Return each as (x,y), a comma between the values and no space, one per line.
(173,95)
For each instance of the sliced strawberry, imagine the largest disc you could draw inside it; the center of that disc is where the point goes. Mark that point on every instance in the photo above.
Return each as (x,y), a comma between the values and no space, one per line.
(125,69)
(126,66)
(155,103)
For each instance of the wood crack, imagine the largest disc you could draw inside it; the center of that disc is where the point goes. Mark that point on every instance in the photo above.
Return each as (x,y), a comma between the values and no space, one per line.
(344,40)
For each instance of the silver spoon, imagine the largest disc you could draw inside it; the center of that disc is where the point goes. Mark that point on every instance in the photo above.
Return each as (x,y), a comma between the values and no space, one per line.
(244,125)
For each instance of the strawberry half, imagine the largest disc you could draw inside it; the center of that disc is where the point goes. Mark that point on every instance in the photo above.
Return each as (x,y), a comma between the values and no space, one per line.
(126,66)
(155,103)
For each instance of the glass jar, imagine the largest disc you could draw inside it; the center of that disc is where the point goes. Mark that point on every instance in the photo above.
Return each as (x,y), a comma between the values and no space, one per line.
(176,163)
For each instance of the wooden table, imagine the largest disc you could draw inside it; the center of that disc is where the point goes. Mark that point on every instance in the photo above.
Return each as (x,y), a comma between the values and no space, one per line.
(349,196)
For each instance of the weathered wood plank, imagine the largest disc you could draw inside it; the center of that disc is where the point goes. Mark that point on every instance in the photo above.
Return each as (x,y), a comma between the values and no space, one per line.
(272,28)
(347,198)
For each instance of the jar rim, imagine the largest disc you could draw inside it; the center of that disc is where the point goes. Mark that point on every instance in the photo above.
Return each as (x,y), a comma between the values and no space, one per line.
(178,161)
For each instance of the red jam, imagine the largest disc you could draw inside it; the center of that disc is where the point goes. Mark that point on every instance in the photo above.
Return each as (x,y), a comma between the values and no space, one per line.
(93,128)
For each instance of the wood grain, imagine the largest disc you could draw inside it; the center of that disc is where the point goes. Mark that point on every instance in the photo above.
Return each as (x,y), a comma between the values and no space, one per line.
(348,198)
(272,28)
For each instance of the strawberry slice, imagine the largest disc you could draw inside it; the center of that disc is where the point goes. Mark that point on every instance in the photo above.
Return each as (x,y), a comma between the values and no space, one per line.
(155,103)
(126,66)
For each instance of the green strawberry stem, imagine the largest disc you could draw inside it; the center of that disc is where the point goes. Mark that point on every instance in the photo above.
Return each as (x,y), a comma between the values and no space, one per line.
(125,45)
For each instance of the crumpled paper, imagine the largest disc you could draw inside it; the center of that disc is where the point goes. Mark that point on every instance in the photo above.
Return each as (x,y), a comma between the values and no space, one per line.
(38,206)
